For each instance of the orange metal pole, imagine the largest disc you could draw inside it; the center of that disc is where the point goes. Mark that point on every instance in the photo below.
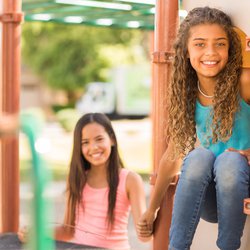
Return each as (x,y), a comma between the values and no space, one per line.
(9,165)
(165,30)
(247,206)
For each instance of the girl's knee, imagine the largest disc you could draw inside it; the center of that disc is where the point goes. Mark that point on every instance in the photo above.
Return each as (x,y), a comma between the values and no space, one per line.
(231,160)
(231,168)
(198,163)
(201,154)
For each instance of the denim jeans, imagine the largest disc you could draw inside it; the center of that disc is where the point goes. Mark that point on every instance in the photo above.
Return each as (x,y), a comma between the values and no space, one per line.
(212,188)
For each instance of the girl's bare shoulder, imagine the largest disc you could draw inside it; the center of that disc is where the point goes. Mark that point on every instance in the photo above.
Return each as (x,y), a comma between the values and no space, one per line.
(133,179)
(133,182)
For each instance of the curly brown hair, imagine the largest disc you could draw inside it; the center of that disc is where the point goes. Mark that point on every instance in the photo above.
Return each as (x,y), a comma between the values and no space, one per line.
(182,93)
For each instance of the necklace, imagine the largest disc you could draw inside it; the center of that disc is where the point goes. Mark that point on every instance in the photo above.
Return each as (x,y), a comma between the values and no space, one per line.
(207,96)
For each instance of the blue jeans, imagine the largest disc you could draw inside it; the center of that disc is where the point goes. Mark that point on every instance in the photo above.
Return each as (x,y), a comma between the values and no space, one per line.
(212,188)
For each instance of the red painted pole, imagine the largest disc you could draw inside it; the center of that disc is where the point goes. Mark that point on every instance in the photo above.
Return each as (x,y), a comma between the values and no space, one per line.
(247,206)
(9,165)
(165,30)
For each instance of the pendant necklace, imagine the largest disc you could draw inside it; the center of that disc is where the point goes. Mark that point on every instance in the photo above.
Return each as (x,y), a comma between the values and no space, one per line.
(207,96)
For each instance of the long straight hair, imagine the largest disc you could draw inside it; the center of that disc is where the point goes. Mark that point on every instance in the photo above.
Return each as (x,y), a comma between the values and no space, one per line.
(79,166)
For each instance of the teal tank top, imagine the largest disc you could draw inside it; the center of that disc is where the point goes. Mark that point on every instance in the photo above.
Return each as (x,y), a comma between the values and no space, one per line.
(240,138)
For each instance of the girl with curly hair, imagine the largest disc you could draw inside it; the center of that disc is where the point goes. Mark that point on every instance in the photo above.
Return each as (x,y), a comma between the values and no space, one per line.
(208,133)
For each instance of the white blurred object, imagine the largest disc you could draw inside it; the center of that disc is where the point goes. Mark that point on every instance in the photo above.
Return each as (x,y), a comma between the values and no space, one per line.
(42,145)
(127,93)
(99,97)
(237,10)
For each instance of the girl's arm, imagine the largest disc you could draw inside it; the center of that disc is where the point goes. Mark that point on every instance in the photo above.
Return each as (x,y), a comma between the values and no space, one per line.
(245,84)
(137,198)
(245,94)
(63,233)
(22,234)
(168,169)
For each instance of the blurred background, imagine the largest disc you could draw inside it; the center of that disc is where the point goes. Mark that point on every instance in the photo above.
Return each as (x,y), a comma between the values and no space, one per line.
(65,75)
(69,70)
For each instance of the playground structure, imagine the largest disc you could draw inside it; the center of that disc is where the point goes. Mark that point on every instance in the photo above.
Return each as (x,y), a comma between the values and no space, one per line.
(166,21)
(40,233)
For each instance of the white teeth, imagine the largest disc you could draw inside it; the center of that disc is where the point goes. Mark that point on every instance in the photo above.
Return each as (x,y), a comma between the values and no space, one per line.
(96,155)
(209,62)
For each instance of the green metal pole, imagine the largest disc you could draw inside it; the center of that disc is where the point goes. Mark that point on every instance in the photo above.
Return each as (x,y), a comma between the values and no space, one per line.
(40,237)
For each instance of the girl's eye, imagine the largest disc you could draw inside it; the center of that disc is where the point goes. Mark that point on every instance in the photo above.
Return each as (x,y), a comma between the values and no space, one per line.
(221,44)
(99,139)
(199,44)
(84,143)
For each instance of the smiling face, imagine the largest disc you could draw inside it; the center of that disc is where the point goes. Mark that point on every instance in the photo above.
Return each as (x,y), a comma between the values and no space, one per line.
(208,47)
(96,145)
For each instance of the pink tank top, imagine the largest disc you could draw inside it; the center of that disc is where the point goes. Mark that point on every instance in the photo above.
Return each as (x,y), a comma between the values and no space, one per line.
(91,223)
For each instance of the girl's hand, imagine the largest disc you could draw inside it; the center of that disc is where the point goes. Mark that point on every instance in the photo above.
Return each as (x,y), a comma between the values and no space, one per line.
(145,224)
(245,153)
(23,234)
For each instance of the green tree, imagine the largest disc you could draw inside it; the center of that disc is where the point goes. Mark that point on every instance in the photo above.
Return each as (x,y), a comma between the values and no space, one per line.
(67,57)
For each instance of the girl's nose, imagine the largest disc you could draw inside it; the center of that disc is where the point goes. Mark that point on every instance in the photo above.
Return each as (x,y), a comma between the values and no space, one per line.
(210,50)
(94,145)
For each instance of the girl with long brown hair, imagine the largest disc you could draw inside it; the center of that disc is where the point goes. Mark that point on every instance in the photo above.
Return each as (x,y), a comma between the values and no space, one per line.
(209,106)
(100,191)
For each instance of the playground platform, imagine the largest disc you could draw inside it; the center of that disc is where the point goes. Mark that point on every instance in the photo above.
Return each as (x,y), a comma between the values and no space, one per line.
(10,241)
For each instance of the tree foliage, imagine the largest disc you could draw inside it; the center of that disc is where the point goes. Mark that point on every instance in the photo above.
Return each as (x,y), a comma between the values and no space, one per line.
(69,56)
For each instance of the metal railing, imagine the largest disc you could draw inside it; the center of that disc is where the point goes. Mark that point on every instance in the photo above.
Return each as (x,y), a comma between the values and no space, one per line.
(40,235)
